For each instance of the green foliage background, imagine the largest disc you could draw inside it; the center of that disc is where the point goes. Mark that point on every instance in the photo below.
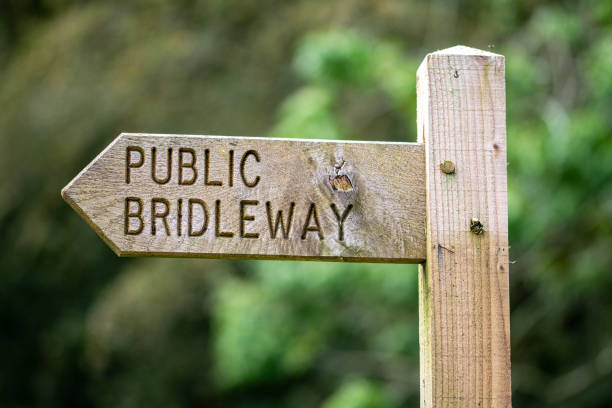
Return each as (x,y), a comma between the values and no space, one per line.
(80,327)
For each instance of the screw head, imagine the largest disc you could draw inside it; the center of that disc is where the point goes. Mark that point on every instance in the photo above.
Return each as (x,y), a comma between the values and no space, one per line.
(476,226)
(447,167)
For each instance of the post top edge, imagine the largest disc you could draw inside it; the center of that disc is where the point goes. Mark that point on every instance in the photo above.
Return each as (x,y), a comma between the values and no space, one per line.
(463,50)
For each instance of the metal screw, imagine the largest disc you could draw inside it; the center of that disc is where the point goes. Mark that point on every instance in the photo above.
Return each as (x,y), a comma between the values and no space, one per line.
(476,226)
(447,167)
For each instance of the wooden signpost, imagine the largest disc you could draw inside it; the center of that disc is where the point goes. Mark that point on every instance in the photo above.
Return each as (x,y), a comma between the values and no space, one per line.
(441,203)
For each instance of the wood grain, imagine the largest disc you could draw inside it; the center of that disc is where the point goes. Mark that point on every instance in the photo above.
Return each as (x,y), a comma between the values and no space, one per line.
(463,287)
(349,201)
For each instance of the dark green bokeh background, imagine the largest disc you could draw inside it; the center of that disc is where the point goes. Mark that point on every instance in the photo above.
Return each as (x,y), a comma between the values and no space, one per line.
(80,327)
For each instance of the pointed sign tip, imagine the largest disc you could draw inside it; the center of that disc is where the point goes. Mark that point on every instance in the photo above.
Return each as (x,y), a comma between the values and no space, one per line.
(64,193)
(69,197)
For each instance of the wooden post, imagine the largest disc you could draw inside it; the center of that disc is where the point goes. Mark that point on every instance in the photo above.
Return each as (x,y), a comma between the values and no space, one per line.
(463,286)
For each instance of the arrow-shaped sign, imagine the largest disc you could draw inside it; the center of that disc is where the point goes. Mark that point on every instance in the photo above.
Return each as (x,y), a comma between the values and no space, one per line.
(216,196)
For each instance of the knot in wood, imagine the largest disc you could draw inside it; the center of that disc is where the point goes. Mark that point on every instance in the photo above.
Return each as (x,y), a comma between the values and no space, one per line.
(476,226)
(341,182)
(447,167)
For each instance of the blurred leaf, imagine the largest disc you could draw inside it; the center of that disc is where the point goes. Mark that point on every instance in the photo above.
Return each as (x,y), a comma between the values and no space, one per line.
(256,341)
(358,394)
(336,57)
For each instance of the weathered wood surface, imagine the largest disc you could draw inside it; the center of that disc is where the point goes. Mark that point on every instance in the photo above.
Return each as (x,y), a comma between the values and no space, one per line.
(463,287)
(222,197)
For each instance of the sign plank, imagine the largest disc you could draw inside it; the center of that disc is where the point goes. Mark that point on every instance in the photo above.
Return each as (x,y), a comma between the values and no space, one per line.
(236,197)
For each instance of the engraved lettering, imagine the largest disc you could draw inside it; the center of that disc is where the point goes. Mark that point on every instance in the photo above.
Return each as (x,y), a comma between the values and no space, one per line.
(130,214)
(179,216)
(129,164)
(231,168)
(163,215)
(312,213)
(191,165)
(202,205)
(207,171)
(154,164)
(246,217)
(279,222)
(341,218)
(218,232)
(242,164)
